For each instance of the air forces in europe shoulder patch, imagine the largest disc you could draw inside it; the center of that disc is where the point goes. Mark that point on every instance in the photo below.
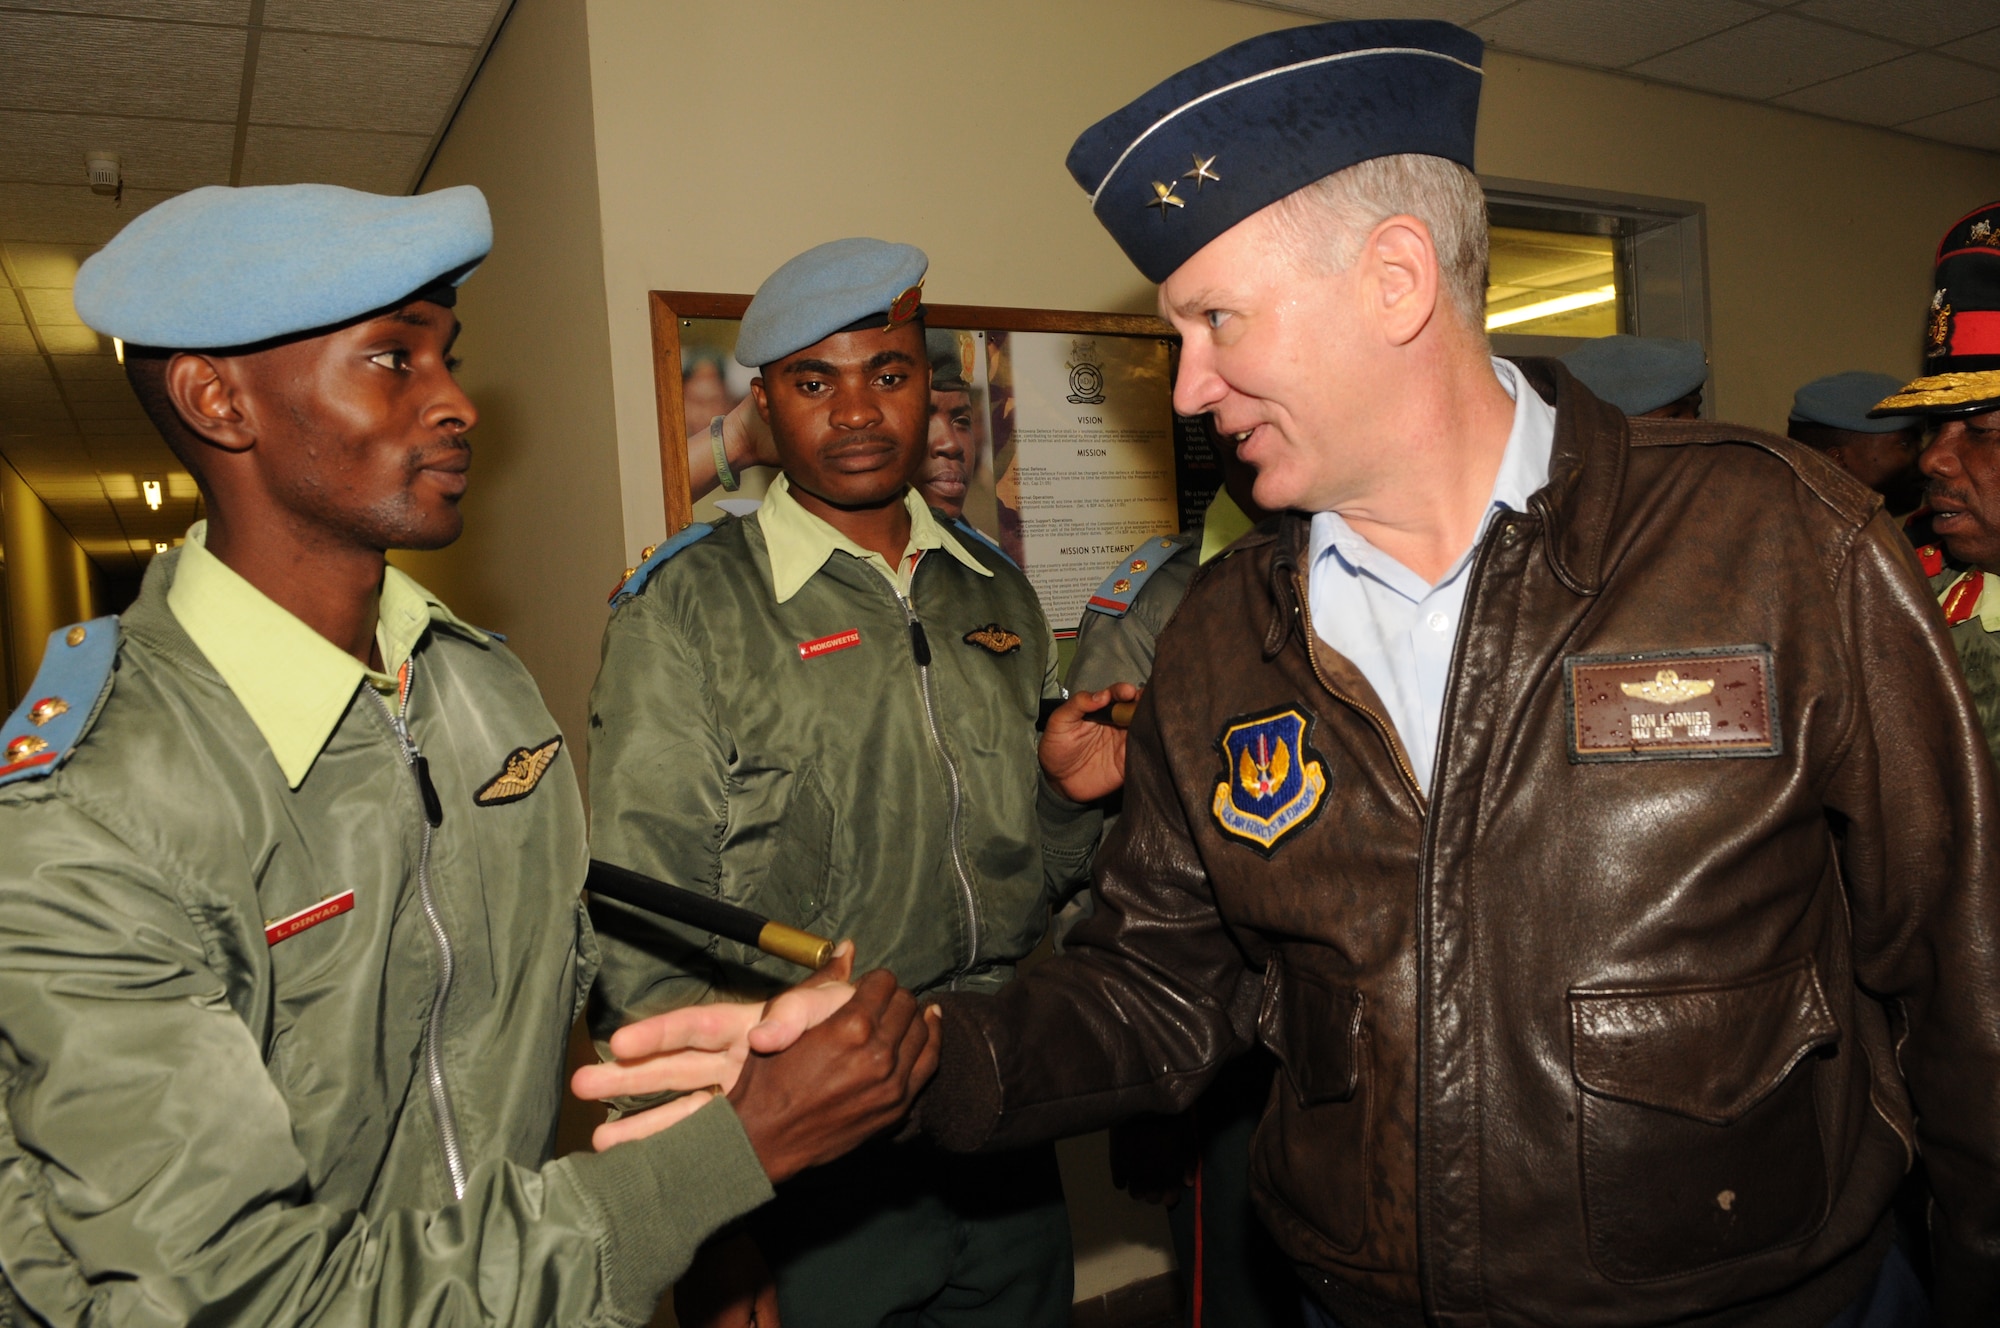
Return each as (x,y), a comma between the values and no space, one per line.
(1273,782)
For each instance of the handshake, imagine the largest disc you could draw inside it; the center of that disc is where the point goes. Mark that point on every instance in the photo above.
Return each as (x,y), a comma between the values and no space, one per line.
(812,1073)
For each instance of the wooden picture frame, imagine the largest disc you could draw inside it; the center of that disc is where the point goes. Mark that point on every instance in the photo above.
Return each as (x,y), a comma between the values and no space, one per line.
(668,308)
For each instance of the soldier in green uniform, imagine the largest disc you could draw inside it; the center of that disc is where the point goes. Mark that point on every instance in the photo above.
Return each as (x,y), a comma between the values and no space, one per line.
(826,712)
(290,929)
(1231,1274)
(1960,393)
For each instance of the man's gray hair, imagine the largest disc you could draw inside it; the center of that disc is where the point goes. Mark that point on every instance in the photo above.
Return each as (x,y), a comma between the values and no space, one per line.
(1324,223)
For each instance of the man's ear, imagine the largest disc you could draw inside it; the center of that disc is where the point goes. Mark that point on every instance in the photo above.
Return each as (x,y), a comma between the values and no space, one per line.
(1403,267)
(208,399)
(763,403)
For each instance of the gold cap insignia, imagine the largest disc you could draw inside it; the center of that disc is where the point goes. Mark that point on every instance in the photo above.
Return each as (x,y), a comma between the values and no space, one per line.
(1120,586)
(1138,564)
(75,636)
(47,709)
(1203,170)
(524,769)
(1667,687)
(25,746)
(904,307)
(995,638)
(1164,197)
(646,553)
(1940,329)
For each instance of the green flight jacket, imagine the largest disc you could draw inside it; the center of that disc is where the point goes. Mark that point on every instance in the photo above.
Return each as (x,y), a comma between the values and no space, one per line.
(1977,640)
(816,786)
(204,1126)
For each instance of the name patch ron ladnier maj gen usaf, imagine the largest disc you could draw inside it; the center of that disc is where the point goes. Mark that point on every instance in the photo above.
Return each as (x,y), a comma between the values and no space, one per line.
(1273,782)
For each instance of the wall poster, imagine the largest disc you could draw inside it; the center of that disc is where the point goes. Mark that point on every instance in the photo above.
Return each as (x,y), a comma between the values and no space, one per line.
(1058,439)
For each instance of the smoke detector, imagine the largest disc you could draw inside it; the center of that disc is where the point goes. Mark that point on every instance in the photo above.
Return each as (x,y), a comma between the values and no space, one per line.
(105,177)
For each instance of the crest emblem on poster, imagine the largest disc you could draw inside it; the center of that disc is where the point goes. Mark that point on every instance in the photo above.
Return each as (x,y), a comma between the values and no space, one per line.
(1273,783)
(1086,375)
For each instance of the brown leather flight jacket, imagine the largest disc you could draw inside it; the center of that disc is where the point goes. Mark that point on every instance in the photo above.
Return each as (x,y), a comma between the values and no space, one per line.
(1641,1018)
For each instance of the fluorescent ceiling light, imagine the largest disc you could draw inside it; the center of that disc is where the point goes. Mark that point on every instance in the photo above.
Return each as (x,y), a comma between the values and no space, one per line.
(151,489)
(118,348)
(1562,304)
(159,546)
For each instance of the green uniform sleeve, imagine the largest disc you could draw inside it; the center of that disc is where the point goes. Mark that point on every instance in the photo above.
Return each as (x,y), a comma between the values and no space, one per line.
(659,805)
(1069,829)
(149,1175)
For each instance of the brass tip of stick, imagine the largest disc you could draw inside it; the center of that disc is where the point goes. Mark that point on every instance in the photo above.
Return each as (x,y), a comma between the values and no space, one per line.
(1122,712)
(795,946)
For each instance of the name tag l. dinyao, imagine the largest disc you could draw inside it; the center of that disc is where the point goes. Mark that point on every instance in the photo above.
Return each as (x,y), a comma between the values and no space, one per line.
(292,924)
(1672,704)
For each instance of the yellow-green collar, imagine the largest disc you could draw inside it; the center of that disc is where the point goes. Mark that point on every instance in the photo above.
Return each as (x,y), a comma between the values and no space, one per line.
(1222,525)
(294,683)
(800,543)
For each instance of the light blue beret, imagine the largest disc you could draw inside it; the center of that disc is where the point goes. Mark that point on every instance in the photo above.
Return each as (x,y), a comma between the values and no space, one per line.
(1843,400)
(227,267)
(1638,374)
(825,289)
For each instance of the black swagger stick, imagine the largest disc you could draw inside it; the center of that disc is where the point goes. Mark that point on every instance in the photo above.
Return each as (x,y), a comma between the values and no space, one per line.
(725,920)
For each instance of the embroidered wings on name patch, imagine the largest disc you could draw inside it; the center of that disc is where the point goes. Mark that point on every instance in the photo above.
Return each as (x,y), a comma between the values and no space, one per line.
(1273,782)
(1672,704)
(524,769)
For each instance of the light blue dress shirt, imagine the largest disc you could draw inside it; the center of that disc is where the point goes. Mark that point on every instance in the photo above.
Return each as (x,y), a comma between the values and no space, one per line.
(1393,625)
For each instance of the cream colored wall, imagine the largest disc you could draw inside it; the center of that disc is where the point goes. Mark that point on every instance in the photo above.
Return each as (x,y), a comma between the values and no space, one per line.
(50,581)
(541,544)
(1820,234)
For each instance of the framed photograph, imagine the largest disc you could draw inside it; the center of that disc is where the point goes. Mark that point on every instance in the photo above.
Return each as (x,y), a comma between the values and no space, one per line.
(1052,432)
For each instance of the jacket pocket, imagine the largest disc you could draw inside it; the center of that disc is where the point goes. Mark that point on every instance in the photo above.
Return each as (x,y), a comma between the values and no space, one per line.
(794,889)
(1314,1149)
(1700,1131)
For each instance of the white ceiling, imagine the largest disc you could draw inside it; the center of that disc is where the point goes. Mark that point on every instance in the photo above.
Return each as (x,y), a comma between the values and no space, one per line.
(187,93)
(1925,67)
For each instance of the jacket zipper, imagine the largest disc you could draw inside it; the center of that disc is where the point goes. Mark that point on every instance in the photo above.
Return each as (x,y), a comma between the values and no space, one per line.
(1381,723)
(413,756)
(920,647)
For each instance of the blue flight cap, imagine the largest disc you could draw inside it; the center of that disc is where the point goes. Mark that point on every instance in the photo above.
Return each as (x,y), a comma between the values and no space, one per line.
(1843,400)
(218,267)
(839,286)
(1638,374)
(1267,117)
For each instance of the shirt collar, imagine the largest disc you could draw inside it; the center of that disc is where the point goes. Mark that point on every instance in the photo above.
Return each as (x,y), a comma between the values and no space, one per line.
(1222,525)
(1524,469)
(294,683)
(799,543)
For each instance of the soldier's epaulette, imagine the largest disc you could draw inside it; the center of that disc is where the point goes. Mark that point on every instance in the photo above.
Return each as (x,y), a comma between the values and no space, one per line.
(959,523)
(653,557)
(67,692)
(1129,577)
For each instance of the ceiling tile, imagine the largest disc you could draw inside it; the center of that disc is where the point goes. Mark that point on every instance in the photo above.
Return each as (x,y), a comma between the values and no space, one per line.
(16,342)
(382,163)
(66,214)
(1775,54)
(10,308)
(1916,85)
(75,368)
(52,307)
(17,366)
(191,11)
(1609,32)
(35,415)
(152,154)
(1985,48)
(462,21)
(1974,126)
(50,265)
(13,390)
(121,66)
(99,389)
(1451,11)
(349,83)
(78,340)
(87,411)
(1917,22)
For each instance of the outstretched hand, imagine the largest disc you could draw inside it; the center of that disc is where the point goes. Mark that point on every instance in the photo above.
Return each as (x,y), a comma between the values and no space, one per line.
(844,1080)
(1084,759)
(699,1050)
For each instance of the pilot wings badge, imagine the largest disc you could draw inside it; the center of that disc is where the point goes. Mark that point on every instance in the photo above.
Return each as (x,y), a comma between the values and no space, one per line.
(1274,783)
(1668,688)
(995,638)
(524,769)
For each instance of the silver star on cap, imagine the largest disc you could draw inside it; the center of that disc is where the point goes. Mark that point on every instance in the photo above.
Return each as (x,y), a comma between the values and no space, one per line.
(1201,172)
(1164,197)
